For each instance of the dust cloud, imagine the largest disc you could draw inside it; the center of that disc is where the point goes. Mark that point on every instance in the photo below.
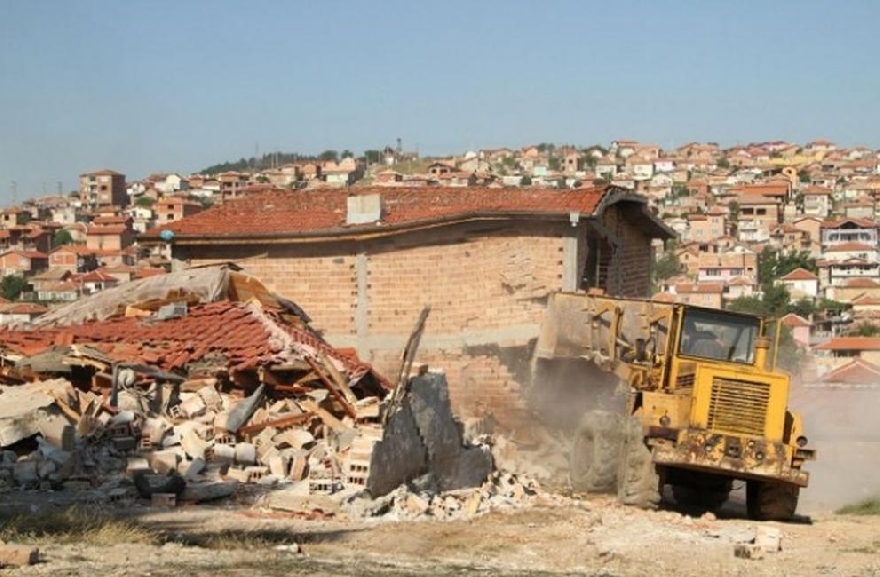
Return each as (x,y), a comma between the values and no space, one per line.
(843,425)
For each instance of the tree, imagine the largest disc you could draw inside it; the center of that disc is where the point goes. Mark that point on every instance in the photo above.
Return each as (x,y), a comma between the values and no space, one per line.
(61,238)
(329,155)
(526,180)
(12,286)
(804,176)
(865,329)
(373,156)
(667,266)
(347,154)
(723,163)
(803,307)
(145,201)
(554,163)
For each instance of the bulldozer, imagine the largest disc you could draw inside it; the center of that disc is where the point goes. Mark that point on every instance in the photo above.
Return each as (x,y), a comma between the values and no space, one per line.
(702,405)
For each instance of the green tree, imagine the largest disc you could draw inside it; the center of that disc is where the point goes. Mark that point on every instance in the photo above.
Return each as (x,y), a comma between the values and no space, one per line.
(803,307)
(373,156)
(11,286)
(347,154)
(804,176)
(723,163)
(329,155)
(526,180)
(145,201)
(667,266)
(865,329)
(61,238)
(554,163)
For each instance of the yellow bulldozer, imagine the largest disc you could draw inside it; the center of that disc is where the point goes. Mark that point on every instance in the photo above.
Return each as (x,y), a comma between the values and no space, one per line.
(701,405)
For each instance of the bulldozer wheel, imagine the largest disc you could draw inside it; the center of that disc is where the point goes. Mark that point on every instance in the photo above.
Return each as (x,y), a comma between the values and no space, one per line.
(593,459)
(701,499)
(771,501)
(638,482)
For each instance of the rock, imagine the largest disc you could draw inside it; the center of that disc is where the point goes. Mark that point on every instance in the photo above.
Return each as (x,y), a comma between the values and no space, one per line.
(400,456)
(18,555)
(191,469)
(147,484)
(292,548)
(199,492)
(769,539)
(26,472)
(748,551)
(193,444)
(58,431)
(415,504)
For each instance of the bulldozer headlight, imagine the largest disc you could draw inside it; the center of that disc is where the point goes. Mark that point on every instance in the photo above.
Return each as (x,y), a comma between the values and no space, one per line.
(759,456)
(664,421)
(801,441)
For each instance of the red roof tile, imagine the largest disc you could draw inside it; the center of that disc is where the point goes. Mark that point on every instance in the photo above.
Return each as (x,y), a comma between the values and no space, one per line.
(850,344)
(324,211)
(793,320)
(856,372)
(800,274)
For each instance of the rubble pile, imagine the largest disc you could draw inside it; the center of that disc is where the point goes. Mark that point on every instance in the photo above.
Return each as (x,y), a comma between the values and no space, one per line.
(202,381)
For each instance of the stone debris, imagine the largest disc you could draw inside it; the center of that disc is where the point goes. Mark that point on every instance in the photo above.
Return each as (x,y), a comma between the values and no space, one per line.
(766,540)
(18,555)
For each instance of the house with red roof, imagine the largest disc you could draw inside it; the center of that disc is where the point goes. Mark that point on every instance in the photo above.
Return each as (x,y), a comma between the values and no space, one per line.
(364,262)
(799,327)
(19,313)
(847,348)
(801,283)
(849,230)
(23,262)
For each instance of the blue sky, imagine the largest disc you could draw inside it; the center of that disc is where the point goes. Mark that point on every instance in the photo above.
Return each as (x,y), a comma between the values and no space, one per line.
(175,86)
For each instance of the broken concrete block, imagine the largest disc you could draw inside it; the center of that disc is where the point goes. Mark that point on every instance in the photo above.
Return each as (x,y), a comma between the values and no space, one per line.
(46,468)
(199,492)
(223,453)
(400,456)
(748,551)
(237,474)
(278,465)
(58,431)
(163,500)
(193,407)
(193,444)
(769,539)
(164,462)
(191,469)
(294,438)
(124,444)
(26,472)
(299,465)
(367,408)
(18,555)
(136,465)
(245,454)
(220,421)
(242,412)
(212,399)
(154,429)
(147,484)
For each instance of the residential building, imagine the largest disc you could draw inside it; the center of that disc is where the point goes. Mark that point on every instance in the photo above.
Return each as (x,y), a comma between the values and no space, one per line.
(174,208)
(23,262)
(801,283)
(103,188)
(817,201)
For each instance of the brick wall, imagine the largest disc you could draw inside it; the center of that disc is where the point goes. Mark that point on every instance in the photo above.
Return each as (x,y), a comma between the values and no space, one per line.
(487,285)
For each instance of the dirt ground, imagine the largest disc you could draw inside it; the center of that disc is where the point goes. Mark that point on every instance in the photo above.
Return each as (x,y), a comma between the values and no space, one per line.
(592,536)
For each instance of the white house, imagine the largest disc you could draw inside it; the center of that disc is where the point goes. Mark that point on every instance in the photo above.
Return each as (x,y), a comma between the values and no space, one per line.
(801,283)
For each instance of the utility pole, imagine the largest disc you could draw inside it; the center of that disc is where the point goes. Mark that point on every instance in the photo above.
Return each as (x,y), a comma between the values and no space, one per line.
(13,187)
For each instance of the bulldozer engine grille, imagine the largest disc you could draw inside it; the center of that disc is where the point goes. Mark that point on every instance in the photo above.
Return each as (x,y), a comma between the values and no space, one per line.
(738,406)
(686,380)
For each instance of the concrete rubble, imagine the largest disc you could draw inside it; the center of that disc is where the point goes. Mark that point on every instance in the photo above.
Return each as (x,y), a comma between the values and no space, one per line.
(133,403)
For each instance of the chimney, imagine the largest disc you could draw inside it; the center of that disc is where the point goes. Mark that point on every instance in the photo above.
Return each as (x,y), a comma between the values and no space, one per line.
(364,209)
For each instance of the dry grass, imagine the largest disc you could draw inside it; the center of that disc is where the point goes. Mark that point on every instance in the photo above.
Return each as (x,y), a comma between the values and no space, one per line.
(75,525)
(866,507)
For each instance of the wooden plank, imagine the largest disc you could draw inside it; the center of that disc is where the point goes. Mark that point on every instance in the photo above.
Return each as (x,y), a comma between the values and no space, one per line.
(338,378)
(329,420)
(290,421)
(334,390)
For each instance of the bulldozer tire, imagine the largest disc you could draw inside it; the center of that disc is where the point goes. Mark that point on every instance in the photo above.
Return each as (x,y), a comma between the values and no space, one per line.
(594,452)
(701,499)
(638,482)
(771,501)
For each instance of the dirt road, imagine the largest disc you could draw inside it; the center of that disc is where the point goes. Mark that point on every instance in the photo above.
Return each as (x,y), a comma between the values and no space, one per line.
(585,536)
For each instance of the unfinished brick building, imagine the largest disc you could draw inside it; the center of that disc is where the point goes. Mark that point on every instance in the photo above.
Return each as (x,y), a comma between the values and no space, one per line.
(363,264)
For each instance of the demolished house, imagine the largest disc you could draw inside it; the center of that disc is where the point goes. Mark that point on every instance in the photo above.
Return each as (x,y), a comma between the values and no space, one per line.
(193,382)
(484,259)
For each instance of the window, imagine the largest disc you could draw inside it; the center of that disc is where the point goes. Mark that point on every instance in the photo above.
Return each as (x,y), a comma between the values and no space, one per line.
(719,336)
(761,211)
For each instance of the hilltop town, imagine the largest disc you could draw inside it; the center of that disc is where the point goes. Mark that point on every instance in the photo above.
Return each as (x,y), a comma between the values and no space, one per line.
(784,229)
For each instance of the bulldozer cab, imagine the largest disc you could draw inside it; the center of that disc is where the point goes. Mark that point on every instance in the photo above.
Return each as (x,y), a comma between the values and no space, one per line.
(718,335)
